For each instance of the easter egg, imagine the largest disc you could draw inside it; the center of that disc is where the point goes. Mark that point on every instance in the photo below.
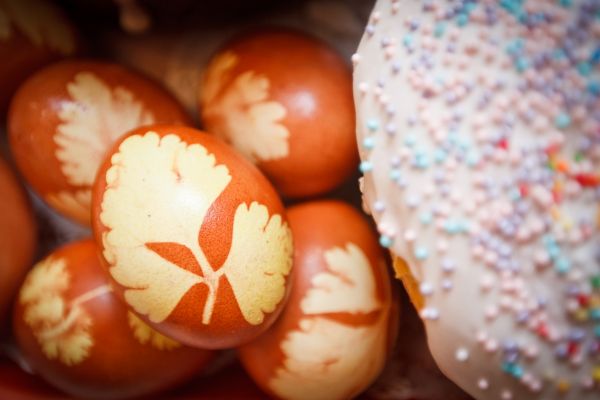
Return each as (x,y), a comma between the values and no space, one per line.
(194,236)
(18,237)
(16,384)
(33,33)
(333,337)
(284,100)
(79,337)
(65,117)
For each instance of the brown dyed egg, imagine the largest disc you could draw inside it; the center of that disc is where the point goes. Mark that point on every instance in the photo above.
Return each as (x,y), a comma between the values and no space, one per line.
(284,100)
(194,236)
(64,118)
(18,238)
(16,384)
(77,335)
(333,337)
(33,33)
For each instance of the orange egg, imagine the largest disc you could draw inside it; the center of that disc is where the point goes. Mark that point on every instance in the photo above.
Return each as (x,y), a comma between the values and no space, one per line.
(194,236)
(16,384)
(79,337)
(33,33)
(18,237)
(333,337)
(64,118)
(284,100)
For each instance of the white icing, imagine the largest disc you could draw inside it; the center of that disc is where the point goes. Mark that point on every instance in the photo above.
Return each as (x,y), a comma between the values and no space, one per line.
(457,121)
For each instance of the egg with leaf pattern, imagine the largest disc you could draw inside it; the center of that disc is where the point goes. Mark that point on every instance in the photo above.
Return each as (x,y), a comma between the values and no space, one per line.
(79,337)
(65,117)
(336,331)
(194,236)
(284,100)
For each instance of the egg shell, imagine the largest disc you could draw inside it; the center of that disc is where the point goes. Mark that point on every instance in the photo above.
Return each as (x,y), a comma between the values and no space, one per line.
(33,33)
(284,99)
(18,237)
(16,384)
(338,326)
(199,229)
(77,335)
(64,118)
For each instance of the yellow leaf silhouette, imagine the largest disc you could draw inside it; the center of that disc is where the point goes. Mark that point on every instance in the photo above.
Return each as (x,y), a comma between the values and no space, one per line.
(241,112)
(258,282)
(348,286)
(61,328)
(38,21)
(137,214)
(318,363)
(218,70)
(95,118)
(146,335)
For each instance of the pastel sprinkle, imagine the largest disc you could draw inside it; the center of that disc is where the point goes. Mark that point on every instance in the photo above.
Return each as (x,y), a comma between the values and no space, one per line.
(562,120)
(584,68)
(563,265)
(410,140)
(373,125)
(369,143)
(421,253)
(440,156)
(595,57)
(594,87)
(385,241)
(365,166)
(439,30)
(522,64)
(462,19)
(395,174)
(426,218)
(462,354)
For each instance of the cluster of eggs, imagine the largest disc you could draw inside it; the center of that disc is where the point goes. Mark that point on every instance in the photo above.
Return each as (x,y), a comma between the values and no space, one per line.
(193,248)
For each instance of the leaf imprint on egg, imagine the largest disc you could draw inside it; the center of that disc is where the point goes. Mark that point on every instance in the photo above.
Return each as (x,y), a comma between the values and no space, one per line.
(238,110)
(321,343)
(149,171)
(62,328)
(146,335)
(91,123)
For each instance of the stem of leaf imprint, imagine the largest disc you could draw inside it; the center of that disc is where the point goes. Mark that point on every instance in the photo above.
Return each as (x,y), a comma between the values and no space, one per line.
(211,278)
(74,312)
